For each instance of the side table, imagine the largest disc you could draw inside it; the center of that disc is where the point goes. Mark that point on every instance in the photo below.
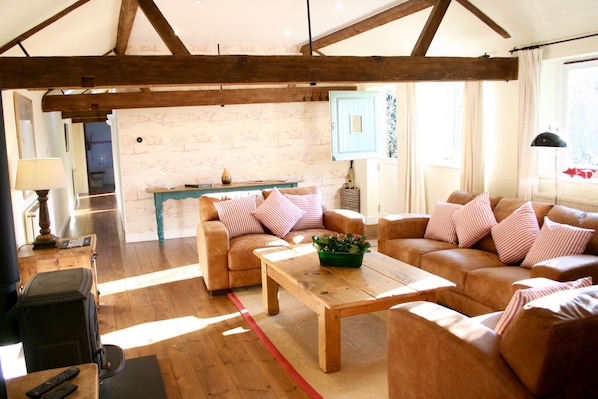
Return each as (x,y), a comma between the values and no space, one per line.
(32,262)
(87,382)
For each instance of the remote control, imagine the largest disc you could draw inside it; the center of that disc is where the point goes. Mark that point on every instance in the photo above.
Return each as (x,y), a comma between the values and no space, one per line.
(53,382)
(61,392)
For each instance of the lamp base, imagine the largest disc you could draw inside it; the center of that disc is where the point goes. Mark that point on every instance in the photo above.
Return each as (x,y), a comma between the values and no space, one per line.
(46,241)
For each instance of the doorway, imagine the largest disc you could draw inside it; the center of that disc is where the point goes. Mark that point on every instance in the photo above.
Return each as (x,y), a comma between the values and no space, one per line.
(100,164)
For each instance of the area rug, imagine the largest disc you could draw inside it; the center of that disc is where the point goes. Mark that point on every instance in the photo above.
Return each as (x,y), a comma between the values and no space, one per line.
(140,379)
(293,333)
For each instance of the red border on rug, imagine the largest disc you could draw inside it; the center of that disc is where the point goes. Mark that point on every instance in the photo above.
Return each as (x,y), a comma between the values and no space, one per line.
(275,352)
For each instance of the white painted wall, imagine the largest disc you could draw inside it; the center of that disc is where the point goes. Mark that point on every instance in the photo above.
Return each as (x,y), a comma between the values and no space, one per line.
(194,144)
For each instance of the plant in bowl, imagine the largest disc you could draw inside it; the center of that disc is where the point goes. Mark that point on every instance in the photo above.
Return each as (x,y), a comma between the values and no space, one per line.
(341,249)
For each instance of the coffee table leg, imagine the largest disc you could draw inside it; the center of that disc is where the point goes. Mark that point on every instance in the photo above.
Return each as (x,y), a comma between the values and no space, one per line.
(329,340)
(269,292)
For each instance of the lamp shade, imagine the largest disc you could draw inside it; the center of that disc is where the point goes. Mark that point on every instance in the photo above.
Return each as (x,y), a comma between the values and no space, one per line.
(40,174)
(548,139)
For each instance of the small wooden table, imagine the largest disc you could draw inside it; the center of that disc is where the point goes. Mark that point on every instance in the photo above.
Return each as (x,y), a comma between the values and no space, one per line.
(87,382)
(36,261)
(335,292)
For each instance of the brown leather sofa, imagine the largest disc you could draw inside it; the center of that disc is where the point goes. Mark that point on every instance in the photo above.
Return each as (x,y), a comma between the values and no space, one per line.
(229,263)
(483,282)
(548,351)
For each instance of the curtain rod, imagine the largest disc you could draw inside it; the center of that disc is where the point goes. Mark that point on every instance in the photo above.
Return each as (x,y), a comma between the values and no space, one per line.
(548,44)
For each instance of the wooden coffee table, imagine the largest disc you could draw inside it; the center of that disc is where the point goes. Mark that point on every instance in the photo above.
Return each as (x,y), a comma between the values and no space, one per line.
(336,292)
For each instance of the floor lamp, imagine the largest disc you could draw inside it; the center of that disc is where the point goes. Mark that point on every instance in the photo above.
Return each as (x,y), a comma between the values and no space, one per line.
(552,140)
(41,175)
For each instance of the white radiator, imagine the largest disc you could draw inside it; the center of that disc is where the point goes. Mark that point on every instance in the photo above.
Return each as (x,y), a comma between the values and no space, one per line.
(32,221)
(584,204)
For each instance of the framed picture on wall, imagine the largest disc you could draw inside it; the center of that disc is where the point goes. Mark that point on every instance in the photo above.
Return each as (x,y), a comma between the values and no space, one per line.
(25,131)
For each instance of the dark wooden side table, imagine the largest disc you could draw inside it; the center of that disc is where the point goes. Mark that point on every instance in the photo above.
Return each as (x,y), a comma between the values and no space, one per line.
(32,262)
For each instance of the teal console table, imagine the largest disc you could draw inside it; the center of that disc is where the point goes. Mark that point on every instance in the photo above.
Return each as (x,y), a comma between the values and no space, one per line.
(162,194)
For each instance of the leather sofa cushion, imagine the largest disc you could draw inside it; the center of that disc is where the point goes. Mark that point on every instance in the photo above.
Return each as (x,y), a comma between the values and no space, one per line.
(577,218)
(492,285)
(410,250)
(552,344)
(240,255)
(455,264)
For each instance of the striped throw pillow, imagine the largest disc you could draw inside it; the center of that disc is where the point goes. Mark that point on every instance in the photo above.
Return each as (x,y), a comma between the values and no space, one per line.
(474,221)
(515,235)
(278,214)
(556,239)
(236,216)
(311,204)
(522,297)
(441,226)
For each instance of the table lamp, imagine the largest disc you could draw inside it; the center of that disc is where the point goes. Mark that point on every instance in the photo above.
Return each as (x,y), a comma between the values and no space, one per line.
(41,175)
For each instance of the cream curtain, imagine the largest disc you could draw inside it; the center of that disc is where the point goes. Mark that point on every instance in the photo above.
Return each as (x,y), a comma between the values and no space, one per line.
(530,63)
(411,172)
(472,138)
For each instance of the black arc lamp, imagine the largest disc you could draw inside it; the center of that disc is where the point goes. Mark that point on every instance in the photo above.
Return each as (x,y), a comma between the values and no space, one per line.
(548,139)
(551,140)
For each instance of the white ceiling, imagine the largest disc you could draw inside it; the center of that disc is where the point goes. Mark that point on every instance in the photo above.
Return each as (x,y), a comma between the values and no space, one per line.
(247,25)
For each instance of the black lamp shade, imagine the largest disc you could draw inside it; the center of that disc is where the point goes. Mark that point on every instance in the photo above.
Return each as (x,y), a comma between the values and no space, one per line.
(548,139)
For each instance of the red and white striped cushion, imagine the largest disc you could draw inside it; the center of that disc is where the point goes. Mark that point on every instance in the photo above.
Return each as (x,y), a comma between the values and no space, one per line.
(311,204)
(516,234)
(522,297)
(236,216)
(556,239)
(474,221)
(278,214)
(441,226)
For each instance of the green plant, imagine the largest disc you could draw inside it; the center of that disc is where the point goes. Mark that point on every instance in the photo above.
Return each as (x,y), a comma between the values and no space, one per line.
(349,243)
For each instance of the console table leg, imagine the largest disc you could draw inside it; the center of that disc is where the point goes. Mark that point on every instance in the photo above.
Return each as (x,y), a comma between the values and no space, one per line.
(159,217)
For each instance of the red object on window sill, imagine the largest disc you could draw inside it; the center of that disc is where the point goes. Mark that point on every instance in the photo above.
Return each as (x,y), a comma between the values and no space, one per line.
(583,172)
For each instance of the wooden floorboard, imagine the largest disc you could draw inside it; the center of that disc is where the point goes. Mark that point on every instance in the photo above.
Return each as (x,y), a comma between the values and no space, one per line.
(153,301)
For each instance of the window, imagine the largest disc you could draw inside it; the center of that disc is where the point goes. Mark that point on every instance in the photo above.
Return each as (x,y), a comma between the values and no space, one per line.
(580,113)
(439,121)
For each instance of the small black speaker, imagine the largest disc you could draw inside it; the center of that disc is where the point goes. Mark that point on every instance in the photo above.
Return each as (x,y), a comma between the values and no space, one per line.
(58,320)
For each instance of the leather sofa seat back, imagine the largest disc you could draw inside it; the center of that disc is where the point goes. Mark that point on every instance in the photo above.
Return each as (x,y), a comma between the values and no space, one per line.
(575,217)
(294,191)
(463,197)
(552,344)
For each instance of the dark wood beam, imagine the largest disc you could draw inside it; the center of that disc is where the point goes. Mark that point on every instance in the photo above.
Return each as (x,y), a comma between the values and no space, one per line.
(84,102)
(128,10)
(402,10)
(145,71)
(431,27)
(162,27)
(41,26)
(86,116)
(484,18)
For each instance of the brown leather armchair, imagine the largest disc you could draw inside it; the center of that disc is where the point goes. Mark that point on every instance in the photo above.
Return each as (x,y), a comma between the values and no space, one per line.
(548,351)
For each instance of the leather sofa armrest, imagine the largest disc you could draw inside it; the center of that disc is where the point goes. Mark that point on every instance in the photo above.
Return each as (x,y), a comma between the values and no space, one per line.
(567,268)
(435,352)
(344,221)
(212,248)
(392,227)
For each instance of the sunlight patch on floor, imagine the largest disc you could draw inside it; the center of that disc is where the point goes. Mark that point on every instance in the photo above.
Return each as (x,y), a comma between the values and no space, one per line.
(150,279)
(157,331)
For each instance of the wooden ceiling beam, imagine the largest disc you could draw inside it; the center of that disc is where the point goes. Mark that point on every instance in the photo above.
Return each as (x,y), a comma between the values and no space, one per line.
(84,102)
(162,27)
(146,71)
(484,18)
(427,34)
(402,10)
(86,116)
(128,11)
(41,26)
